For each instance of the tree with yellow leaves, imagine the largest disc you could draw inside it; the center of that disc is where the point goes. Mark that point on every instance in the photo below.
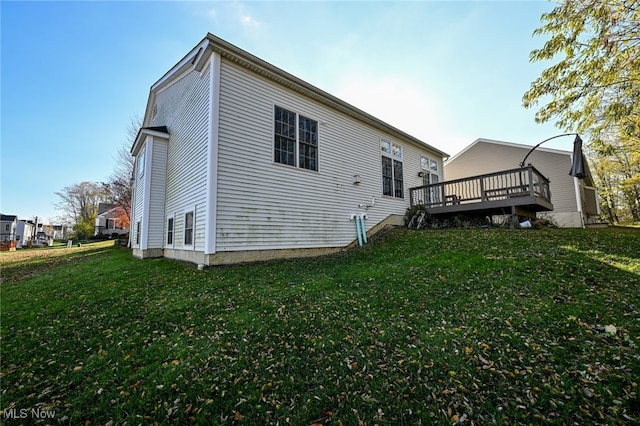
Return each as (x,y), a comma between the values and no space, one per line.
(593,86)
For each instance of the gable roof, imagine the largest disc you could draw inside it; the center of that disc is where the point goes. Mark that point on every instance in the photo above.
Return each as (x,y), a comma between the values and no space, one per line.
(160,131)
(197,59)
(569,154)
(104,207)
(508,144)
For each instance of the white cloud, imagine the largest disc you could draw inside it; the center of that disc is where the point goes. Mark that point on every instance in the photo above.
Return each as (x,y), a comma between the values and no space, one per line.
(244,15)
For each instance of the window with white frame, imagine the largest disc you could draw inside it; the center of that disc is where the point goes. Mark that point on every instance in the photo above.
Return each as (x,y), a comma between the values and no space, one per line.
(188,228)
(295,140)
(141,163)
(429,168)
(429,173)
(392,172)
(170,231)
(138,232)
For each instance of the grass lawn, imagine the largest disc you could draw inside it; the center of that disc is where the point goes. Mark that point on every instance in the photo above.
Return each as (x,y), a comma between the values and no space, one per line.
(418,327)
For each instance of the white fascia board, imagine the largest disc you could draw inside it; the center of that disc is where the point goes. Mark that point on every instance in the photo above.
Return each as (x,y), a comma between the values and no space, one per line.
(246,60)
(142,135)
(193,59)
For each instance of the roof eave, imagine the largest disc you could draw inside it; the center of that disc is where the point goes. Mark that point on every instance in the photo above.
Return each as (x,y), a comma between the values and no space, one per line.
(143,133)
(267,70)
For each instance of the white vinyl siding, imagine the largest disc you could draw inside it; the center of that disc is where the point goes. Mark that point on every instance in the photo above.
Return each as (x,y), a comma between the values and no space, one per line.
(264,205)
(158,170)
(138,200)
(183,107)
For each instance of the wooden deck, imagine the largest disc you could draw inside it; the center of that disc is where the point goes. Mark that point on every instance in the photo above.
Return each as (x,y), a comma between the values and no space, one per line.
(519,192)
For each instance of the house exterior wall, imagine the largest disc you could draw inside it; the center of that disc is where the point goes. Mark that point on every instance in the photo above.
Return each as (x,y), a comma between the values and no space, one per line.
(218,109)
(149,198)
(8,229)
(24,232)
(488,157)
(264,205)
(158,180)
(137,203)
(183,108)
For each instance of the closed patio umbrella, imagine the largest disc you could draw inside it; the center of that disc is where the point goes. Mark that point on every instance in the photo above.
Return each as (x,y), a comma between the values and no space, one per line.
(578,168)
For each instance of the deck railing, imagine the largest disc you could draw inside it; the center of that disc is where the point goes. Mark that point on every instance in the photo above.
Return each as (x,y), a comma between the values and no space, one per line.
(487,188)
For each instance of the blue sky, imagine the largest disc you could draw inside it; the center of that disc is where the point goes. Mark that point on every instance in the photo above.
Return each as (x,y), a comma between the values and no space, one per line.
(73,74)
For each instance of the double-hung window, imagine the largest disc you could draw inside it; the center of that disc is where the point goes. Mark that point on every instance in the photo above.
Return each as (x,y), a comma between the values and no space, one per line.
(392,174)
(170,231)
(138,232)
(188,228)
(295,140)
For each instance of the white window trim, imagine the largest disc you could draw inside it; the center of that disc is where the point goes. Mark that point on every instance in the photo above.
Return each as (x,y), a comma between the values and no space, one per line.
(431,171)
(173,231)
(138,240)
(191,209)
(297,132)
(141,162)
(393,158)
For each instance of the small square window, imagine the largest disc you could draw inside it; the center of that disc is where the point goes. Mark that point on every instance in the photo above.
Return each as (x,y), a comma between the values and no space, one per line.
(385,146)
(424,163)
(397,151)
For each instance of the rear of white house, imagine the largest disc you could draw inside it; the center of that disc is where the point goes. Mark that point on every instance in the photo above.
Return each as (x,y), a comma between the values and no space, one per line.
(238,160)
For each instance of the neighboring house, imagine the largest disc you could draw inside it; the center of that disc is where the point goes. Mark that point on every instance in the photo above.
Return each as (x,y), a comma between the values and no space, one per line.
(8,225)
(238,160)
(25,232)
(43,239)
(575,201)
(108,220)
(59,232)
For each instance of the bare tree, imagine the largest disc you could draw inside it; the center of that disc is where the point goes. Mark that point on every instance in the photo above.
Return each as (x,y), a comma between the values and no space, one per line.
(119,184)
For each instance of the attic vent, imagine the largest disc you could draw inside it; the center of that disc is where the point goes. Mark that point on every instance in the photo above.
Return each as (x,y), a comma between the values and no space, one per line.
(155,111)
